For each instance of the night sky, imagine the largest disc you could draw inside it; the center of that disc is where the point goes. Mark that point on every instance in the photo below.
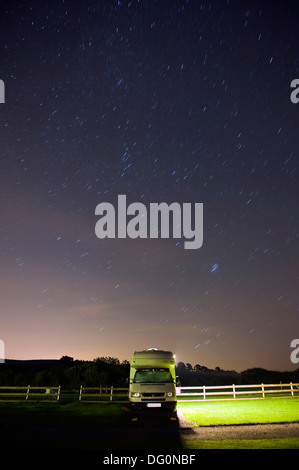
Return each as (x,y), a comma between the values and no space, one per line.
(162,101)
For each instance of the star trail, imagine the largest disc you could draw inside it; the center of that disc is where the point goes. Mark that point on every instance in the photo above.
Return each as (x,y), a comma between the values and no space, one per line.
(161,101)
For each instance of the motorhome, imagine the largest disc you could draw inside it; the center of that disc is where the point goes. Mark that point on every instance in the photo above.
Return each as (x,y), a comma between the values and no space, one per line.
(153,381)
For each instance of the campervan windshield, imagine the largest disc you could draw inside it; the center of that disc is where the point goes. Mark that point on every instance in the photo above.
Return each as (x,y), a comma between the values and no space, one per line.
(152,375)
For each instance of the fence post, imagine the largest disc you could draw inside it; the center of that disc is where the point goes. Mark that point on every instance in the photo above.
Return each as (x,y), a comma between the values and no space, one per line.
(80,393)
(27,394)
(58,394)
(263,390)
(111,392)
(292,390)
(204,392)
(234,391)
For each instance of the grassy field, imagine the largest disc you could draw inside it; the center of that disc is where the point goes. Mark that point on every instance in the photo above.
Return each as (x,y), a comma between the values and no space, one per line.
(60,414)
(221,413)
(216,413)
(73,424)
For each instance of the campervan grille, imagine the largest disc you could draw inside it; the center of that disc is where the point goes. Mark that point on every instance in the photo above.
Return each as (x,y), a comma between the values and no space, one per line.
(153,395)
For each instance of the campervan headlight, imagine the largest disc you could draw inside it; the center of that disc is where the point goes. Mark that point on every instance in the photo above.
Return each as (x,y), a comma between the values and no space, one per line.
(169,394)
(135,394)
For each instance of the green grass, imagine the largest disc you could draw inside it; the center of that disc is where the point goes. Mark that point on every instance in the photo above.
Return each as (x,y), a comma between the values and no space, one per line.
(268,410)
(60,414)
(104,425)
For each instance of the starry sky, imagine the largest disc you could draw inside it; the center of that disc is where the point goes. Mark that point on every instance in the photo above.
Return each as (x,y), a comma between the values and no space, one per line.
(163,101)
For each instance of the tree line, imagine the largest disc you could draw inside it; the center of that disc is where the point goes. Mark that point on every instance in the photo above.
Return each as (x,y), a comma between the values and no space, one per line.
(66,372)
(70,374)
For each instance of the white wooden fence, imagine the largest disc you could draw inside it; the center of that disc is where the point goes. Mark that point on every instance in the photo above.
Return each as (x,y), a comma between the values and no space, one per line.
(12,393)
(196,393)
(104,394)
(228,392)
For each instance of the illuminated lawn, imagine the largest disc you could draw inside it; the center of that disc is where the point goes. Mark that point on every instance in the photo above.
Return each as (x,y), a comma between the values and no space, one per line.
(216,413)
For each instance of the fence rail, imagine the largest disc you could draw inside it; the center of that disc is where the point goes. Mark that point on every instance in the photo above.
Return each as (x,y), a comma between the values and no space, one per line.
(193,393)
(104,394)
(223,391)
(10,393)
